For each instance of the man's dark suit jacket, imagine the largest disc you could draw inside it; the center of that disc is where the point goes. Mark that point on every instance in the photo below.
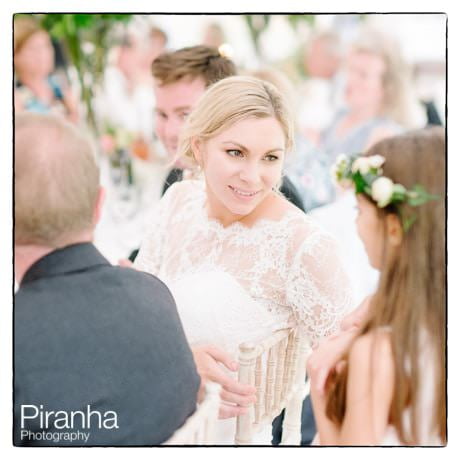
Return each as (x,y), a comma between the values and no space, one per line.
(87,333)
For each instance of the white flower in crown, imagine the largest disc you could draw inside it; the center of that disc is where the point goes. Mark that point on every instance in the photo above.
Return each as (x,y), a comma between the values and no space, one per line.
(361,164)
(376,161)
(338,167)
(382,191)
(333,172)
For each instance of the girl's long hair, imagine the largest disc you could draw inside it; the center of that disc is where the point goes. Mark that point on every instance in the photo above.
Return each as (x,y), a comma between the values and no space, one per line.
(411,297)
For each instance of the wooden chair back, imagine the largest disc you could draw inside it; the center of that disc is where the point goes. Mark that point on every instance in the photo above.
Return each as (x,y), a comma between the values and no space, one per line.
(198,429)
(276,366)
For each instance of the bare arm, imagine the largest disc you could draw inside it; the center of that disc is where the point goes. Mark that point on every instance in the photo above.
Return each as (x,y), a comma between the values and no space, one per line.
(357,316)
(370,388)
(331,350)
(327,355)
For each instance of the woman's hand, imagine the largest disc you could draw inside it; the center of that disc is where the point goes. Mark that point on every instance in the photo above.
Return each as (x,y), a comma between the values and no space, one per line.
(235,396)
(331,350)
(326,359)
(327,356)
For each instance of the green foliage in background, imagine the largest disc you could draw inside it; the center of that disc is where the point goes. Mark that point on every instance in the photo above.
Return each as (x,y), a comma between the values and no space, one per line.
(258,23)
(72,30)
(296,19)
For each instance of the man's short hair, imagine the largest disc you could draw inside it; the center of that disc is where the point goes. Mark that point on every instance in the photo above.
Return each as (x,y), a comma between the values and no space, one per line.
(56,180)
(195,61)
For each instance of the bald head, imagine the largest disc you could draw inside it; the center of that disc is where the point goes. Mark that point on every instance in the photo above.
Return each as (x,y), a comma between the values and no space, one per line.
(56,181)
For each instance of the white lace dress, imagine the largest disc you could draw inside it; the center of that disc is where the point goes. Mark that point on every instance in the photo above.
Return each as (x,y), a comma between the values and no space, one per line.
(234,284)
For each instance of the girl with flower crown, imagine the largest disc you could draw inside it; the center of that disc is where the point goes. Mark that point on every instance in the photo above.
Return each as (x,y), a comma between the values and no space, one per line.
(383,382)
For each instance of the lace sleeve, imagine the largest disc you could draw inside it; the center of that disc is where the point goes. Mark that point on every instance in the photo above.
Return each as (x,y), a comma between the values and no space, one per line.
(318,289)
(151,251)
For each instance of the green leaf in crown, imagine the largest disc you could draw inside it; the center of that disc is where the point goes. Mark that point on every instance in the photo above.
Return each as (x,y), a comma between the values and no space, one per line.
(366,174)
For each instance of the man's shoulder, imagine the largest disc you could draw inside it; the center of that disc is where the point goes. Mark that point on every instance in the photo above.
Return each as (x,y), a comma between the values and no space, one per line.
(138,286)
(138,279)
(115,334)
(126,287)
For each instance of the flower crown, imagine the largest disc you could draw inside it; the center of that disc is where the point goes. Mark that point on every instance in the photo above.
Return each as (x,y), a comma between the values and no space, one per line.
(366,173)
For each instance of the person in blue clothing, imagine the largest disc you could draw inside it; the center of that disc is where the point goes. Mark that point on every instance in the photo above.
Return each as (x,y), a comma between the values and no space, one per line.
(36,88)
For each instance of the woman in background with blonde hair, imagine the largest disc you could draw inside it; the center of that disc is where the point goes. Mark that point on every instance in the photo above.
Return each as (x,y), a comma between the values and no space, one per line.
(378,105)
(239,259)
(378,97)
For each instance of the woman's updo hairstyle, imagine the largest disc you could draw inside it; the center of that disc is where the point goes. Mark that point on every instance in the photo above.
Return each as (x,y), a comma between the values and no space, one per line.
(229,101)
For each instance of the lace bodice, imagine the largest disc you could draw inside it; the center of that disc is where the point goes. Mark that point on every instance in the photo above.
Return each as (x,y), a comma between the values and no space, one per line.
(288,268)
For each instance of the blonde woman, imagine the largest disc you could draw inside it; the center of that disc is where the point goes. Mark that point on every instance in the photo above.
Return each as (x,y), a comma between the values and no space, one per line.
(240,260)
(379,104)
(378,97)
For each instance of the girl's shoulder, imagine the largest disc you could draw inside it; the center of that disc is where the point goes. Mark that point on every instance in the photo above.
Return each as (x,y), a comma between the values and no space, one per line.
(373,350)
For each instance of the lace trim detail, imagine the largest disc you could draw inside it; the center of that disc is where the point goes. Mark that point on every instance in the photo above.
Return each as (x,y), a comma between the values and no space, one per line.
(290,266)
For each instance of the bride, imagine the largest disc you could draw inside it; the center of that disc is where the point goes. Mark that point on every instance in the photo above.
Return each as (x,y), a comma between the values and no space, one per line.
(239,259)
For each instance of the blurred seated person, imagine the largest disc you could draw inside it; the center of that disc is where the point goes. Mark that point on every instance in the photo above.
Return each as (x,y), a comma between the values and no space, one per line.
(321,93)
(214,35)
(36,88)
(430,84)
(150,48)
(125,100)
(378,98)
(133,164)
